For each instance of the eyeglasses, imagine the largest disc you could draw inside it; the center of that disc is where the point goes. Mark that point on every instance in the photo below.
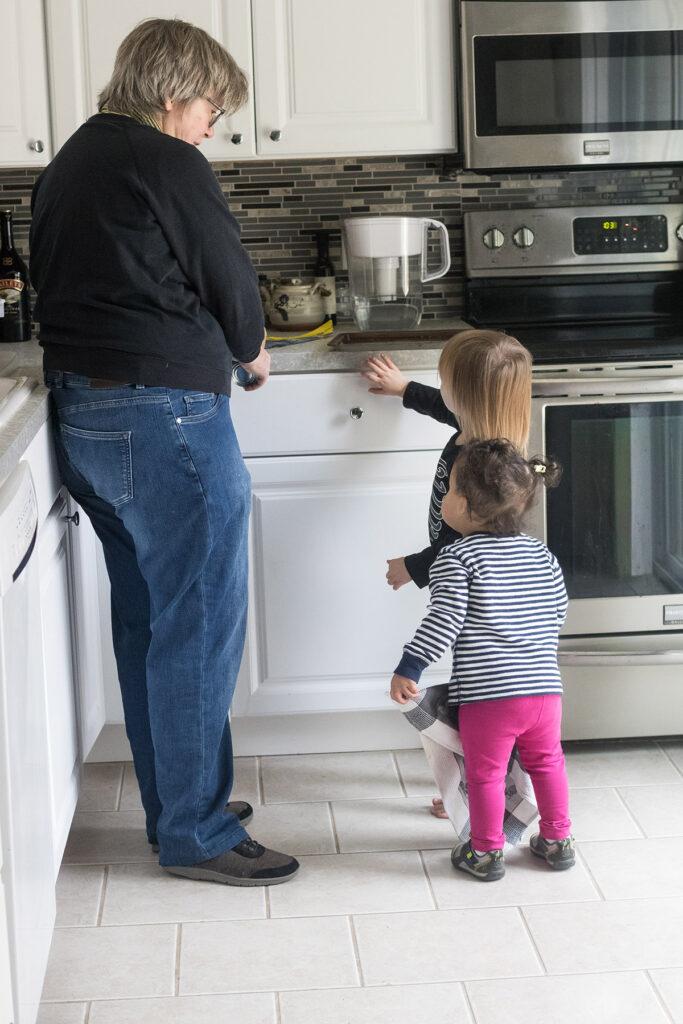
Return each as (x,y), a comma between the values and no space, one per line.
(216,116)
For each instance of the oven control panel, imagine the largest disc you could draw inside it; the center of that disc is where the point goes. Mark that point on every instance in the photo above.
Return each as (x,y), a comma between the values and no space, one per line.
(574,240)
(620,234)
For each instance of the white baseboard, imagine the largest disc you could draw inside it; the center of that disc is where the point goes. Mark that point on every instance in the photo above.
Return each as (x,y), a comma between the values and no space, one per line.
(290,734)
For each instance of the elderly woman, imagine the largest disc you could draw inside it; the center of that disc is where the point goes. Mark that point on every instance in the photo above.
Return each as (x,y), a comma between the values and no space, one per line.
(145,295)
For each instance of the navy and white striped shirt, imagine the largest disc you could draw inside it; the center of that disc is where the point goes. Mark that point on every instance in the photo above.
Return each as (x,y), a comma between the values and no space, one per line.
(499,602)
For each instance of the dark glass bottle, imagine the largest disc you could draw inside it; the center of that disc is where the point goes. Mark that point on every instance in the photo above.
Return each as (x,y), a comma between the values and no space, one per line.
(15,312)
(323,272)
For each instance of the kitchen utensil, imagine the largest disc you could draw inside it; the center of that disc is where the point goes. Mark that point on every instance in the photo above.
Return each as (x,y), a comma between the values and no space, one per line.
(387,261)
(293,304)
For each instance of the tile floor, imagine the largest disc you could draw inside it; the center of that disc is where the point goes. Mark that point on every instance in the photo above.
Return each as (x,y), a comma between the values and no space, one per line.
(377,927)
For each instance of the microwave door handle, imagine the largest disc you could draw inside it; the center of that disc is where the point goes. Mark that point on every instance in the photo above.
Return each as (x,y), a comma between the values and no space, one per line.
(609,658)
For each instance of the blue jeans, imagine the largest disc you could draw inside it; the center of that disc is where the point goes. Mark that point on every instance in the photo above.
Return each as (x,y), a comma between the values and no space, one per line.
(160,474)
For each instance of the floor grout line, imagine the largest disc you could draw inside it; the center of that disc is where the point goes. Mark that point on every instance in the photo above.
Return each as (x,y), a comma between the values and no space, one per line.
(356,950)
(658,995)
(120,792)
(669,758)
(428,879)
(527,928)
(630,813)
(590,874)
(468,1003)
(178,951)
(103,893)
(335,833)
(399,773)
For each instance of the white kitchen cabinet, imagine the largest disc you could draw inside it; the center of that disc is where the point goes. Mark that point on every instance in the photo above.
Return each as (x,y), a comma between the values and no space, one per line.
(24,115)
(44,659)
(349,489)
(325,629)
(324,78)
(59,673)
(353,78)
(83,36)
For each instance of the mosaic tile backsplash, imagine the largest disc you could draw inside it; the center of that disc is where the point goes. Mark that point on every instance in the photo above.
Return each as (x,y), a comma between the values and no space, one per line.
(279,204)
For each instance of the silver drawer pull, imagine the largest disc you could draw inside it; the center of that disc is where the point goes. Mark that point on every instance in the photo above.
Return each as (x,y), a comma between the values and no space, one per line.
(236,138)
(356,412)
(275,135)
(75,518)
(37,146)
(606,658)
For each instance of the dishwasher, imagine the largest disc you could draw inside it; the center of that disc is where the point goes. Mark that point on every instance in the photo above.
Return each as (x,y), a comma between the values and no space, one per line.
(27,872)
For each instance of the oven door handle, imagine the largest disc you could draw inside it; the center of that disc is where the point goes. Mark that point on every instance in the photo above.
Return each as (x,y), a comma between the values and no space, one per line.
(608,658)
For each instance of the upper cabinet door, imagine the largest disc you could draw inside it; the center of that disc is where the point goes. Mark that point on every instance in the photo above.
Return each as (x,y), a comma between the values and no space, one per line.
(24,119)
(353,77)
(84,35)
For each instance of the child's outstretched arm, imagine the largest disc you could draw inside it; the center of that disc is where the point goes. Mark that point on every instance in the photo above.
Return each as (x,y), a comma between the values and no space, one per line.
(385,376)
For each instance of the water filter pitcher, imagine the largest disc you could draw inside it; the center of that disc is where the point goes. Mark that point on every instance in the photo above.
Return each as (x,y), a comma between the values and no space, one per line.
(387,262)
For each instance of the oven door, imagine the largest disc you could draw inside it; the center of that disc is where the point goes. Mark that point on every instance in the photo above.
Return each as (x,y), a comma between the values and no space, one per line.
(615,522)
(572,83)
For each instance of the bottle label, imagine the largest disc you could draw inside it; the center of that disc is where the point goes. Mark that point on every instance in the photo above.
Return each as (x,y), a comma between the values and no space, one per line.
(10,290)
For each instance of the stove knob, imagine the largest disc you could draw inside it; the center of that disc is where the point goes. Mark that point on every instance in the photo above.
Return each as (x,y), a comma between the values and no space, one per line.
(679,232)
(493,238)
(523,238)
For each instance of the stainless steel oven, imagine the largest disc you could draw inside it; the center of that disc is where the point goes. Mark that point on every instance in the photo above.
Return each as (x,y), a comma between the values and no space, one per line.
(597,296)
(571,82)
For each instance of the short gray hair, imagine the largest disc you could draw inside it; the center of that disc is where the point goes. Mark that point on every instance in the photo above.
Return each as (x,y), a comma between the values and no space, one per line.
(168,59)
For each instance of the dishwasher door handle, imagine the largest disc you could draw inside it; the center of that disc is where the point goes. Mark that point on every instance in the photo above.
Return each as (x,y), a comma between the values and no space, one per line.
(608,658)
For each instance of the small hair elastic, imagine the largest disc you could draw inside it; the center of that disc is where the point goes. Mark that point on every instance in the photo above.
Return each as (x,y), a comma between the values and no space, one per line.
(539,467)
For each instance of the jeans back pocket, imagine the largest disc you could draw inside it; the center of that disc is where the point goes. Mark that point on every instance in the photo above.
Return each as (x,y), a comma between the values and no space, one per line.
(103,458)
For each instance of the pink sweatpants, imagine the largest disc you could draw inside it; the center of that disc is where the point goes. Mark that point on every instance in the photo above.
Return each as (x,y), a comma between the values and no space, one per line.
(489,730)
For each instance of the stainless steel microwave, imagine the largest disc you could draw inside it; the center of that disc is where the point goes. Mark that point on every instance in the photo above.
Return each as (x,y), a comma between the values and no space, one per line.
(572,83)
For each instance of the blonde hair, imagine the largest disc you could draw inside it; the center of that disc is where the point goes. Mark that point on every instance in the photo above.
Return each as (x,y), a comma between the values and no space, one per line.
(168,59)
(488,376)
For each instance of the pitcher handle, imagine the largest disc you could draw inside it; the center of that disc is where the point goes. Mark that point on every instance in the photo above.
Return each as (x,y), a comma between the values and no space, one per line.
(444,267)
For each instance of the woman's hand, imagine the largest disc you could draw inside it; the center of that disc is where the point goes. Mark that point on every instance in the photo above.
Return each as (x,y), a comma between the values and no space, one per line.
(385,376)
(403,690)
(259,367)
(397,574)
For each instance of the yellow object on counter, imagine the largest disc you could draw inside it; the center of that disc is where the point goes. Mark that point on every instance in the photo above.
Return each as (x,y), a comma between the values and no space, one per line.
(318,332)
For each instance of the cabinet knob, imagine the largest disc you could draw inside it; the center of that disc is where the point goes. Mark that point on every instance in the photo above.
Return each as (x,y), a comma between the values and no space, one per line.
(276,135)
(236,138)
(37,146)
(356,412)
(75,518)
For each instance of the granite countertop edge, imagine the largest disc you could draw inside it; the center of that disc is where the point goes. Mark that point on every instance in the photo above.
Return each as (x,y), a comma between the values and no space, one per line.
(314,356)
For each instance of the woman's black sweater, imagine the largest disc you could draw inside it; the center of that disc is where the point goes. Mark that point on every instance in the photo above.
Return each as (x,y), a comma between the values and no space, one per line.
(137,262)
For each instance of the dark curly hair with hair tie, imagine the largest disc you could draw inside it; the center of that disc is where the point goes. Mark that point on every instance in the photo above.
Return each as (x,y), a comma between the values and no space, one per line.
(499,484)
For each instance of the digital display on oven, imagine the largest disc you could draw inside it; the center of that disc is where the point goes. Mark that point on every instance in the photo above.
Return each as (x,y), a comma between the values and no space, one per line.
(620,234)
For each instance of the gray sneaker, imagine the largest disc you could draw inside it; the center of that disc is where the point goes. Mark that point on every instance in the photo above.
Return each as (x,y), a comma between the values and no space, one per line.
(243,810)
(487,867)
(248,863)
(558,853)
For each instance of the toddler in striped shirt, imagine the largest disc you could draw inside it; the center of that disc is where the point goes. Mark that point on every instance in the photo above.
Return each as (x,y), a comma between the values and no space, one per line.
(497,598)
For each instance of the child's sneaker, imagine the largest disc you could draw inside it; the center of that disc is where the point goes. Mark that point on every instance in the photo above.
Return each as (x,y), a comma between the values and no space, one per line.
(487,867)
(558,853)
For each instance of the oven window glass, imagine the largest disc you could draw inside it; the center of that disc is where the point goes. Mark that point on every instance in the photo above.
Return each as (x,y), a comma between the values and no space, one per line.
(615,522)
(578,82)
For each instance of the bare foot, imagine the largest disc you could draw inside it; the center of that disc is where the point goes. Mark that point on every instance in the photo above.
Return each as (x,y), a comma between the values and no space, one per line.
(437,808)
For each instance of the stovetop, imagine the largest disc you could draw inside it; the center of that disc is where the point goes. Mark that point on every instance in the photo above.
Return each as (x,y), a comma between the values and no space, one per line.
(580,343)
(579,284)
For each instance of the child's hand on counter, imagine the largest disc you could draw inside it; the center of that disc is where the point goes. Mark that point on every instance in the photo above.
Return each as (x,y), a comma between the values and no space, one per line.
(385,376)
(403,690)
(397,574)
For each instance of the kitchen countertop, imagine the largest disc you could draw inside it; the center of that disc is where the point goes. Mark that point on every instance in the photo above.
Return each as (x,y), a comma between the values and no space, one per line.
(313,356)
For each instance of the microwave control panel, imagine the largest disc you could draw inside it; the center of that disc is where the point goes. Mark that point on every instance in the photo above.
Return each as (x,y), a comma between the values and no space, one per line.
(620,234)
